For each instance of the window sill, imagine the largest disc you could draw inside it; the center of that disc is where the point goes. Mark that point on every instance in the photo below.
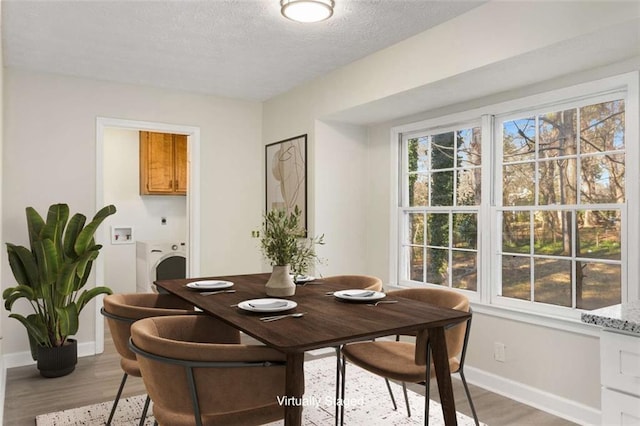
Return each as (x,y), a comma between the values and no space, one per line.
(536,318)
(527,317)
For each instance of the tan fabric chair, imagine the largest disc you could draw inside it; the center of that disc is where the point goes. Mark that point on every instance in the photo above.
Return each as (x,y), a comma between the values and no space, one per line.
(366,282)
(406,361)
(197,372)
(121,310)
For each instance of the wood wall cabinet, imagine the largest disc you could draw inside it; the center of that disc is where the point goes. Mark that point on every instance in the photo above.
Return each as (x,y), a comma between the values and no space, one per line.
(163,164)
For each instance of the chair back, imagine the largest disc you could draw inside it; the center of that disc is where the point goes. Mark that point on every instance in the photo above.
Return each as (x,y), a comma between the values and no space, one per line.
(366,282)
(444,298)
(233,383)
(121,310)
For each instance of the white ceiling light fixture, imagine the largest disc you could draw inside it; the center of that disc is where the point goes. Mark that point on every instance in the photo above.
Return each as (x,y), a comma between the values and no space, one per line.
(307,10)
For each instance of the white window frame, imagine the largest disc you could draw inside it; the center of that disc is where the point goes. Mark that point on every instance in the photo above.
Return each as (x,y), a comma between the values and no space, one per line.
(477,122)
(497,207)
(486,298)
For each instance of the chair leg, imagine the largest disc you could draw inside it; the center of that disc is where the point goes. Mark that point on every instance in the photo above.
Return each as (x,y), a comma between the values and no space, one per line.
(393,400)
(194,396)
(406,398)
(115,401)
(344,379)
(466,389)
(144,411)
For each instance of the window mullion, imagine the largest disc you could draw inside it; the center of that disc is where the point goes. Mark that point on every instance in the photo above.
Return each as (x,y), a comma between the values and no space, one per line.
(488,240)
(423,279)
(536,164)
(450,248)
(430,174)
(532,272)
(578,159)
(574,263)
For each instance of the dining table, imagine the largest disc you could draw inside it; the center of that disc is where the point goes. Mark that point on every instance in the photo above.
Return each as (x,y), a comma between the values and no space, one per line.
(328,322)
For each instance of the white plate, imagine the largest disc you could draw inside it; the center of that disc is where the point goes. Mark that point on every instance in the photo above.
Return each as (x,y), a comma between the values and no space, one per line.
(359,295)
(267,305)
(209,285)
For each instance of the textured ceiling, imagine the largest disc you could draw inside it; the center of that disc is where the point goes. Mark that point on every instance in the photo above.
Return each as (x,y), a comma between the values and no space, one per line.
(233,48)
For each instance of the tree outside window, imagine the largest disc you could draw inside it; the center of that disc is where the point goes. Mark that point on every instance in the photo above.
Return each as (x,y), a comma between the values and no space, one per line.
(563,191)
(443,182)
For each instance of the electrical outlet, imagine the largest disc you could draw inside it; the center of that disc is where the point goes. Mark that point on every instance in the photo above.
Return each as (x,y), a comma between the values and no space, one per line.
(499,352)
(255,234)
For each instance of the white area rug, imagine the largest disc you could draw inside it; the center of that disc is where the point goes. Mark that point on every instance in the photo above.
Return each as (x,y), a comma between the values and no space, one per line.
(366,397)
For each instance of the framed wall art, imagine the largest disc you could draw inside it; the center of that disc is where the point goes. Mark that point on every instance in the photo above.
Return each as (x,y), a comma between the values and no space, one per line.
(286,176)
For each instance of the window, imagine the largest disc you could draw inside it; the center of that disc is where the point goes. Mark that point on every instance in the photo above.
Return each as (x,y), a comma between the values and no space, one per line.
(525,204)
(443,193)
(562,178)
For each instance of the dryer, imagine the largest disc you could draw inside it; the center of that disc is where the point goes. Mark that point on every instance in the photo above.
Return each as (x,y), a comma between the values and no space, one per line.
(159,260)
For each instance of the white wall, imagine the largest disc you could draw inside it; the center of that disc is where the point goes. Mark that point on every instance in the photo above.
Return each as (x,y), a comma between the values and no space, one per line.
(336,164)
(2,369)
(488,53)
(555,369)
(143,212)
(50,139)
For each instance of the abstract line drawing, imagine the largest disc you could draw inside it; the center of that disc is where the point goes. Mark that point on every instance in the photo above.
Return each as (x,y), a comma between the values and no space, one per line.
(286,176)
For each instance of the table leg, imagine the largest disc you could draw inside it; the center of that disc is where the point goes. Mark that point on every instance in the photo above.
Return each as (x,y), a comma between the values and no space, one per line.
(443,375)
(294,388)
(338,381)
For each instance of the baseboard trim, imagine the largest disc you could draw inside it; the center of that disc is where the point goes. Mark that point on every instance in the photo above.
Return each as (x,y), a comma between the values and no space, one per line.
(553,404)
(20,359)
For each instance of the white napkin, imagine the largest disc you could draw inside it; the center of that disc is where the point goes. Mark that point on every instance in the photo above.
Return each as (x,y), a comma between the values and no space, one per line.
(269,305)
(361,294)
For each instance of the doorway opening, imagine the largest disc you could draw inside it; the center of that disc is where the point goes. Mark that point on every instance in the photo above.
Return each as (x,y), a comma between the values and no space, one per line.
(104,128)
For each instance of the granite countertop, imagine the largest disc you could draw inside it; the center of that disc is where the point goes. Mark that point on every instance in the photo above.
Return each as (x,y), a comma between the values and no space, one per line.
(623,317)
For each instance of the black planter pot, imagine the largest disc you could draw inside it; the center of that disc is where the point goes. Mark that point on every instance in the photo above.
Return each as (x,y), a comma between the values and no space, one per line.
(58,361)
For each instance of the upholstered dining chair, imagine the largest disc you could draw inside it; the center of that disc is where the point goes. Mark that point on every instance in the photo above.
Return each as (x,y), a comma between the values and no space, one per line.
(406,361)
(366,282)
(196,371)
(121,310)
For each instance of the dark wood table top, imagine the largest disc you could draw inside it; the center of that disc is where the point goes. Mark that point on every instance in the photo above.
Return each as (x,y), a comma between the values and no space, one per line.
(328,322)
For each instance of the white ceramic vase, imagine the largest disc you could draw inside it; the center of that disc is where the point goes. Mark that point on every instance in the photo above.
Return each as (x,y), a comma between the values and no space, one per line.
(280,283)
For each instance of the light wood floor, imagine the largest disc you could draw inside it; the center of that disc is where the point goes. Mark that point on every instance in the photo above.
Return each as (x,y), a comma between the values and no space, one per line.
(96,379)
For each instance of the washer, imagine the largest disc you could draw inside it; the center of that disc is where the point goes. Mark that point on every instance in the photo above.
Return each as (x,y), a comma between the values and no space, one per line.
(159,260)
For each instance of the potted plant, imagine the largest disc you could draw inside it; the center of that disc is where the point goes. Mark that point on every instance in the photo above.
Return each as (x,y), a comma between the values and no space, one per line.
(51,276)
(283,243)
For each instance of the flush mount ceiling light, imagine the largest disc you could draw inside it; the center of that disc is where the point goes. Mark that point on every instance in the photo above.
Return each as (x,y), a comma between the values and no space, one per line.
(307,10)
